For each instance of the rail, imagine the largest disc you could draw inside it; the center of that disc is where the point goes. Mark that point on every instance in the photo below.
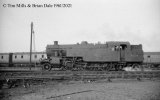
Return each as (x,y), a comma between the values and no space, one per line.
(77,75)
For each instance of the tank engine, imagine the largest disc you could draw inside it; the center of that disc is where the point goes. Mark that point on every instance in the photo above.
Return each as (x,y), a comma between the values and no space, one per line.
(89,56)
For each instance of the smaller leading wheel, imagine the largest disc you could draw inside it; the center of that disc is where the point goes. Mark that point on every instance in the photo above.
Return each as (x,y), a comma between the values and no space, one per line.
(47,67)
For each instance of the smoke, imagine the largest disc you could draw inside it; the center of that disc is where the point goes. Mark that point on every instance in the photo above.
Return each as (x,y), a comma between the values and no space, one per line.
(149,40)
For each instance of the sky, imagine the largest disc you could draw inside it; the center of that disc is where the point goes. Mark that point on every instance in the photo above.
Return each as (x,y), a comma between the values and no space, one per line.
(136,21)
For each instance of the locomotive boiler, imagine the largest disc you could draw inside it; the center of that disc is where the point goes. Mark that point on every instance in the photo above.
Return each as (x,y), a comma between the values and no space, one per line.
(89,56)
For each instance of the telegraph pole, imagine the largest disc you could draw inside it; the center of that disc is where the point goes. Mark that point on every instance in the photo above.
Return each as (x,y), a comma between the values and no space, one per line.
(31,45)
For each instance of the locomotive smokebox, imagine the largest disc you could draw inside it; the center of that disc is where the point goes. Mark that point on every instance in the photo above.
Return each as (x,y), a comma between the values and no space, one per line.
(55,42)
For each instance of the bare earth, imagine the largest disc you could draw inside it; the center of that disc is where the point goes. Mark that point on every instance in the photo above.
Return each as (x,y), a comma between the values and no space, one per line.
(77,90)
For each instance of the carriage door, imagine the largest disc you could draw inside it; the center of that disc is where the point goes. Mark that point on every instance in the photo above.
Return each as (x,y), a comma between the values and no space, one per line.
(122,52)
(10,59)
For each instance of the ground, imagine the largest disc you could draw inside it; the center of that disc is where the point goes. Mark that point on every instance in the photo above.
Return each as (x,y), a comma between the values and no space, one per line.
(88,90)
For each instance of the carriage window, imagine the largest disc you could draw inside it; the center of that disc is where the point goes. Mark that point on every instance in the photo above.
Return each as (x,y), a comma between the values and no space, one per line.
(42,56)
(1,57)
(21,56)
(35,56)
(15,57)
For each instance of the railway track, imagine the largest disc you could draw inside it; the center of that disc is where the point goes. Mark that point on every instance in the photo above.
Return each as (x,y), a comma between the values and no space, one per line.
(76,74)
(12,77)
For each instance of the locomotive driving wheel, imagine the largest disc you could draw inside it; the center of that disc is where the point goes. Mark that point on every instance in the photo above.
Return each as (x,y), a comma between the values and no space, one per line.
(47,67)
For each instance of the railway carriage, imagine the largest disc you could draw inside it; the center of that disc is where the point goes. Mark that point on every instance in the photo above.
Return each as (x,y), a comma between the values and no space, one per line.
(20,58)
(152,58)
(4,59)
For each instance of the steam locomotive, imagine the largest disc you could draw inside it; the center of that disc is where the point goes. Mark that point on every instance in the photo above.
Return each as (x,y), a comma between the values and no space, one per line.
(89,56)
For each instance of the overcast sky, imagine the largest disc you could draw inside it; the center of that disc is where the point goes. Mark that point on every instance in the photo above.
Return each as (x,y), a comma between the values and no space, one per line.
(136,21)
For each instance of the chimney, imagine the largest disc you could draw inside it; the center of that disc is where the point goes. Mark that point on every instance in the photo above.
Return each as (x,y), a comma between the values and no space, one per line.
(55,42)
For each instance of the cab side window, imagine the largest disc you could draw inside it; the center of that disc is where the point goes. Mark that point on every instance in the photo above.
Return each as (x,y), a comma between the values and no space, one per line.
(123,46)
